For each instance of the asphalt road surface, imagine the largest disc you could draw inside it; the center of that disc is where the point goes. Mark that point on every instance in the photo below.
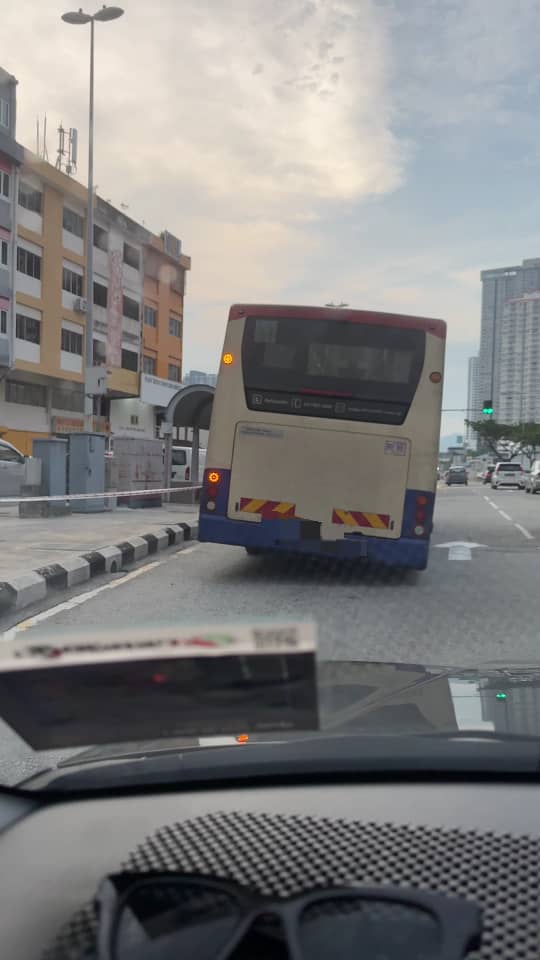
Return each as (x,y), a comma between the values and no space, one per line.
(478,601)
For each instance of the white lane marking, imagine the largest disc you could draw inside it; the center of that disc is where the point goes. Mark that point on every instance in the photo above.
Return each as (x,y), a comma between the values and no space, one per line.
(486,498)
(505,515)
(524,531)
(81,598)
(182,553)
(494,505)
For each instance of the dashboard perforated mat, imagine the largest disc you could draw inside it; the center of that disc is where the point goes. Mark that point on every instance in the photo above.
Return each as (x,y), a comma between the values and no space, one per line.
(282,855)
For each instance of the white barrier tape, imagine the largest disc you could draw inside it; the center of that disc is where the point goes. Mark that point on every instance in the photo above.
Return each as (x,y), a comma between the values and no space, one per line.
(110,495)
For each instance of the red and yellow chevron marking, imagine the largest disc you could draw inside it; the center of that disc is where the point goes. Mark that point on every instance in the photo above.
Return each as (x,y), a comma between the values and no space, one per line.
(353,518)
(268,509)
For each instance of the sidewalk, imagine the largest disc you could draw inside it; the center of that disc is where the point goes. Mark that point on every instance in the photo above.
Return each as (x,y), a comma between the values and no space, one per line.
(37,554)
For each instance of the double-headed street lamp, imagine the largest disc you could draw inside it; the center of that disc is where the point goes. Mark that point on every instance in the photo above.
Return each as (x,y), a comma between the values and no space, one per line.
(79,18)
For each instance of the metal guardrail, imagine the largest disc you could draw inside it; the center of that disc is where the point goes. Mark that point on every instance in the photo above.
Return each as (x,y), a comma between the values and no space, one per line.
(110,494)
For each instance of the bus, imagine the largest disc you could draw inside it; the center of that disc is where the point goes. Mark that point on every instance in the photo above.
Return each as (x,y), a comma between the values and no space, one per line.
(324,436)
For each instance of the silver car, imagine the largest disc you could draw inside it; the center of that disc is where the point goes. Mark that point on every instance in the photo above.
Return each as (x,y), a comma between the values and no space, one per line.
(12,470)
(532,483)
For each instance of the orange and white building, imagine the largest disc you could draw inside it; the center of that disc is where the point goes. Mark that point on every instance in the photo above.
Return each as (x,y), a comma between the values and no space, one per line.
(42,298)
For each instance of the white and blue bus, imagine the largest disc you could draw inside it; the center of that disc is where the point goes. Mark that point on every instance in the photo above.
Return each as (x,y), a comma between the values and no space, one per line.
(324,436)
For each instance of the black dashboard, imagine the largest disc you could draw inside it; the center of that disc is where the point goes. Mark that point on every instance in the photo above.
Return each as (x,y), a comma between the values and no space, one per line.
(480,840)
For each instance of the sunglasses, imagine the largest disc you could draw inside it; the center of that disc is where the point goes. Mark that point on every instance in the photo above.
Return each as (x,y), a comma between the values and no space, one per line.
(175,916)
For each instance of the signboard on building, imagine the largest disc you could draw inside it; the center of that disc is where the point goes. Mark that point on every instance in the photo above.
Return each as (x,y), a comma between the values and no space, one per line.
(76,425)
(114,310)
(156,391)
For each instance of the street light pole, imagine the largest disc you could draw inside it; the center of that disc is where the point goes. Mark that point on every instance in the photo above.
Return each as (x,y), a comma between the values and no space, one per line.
(89,351)
(78,18)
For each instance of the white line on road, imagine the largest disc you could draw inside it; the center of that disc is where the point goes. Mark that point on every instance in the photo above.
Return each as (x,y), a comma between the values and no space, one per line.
(494,505)
(182,553)
(80,599)
(524,531)
(486,498)
(505,515)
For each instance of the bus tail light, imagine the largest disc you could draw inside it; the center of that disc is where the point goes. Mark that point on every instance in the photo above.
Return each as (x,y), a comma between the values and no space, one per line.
(418,514)
(215,491)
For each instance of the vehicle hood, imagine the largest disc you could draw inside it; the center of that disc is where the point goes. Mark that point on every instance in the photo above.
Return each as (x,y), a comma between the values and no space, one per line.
(399,699)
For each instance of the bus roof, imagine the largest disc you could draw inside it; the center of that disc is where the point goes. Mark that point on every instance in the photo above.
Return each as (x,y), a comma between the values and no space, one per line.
(436,327)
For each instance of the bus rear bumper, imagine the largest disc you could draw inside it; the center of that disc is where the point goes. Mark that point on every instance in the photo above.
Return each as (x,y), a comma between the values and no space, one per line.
(284,536)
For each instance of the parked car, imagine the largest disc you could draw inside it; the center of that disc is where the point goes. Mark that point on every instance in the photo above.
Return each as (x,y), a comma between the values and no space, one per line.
(12,469)
(532,481)
(456,475)
(181,464)
(506,475)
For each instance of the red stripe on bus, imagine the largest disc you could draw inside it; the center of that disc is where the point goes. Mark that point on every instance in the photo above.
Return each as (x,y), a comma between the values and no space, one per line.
(429,324)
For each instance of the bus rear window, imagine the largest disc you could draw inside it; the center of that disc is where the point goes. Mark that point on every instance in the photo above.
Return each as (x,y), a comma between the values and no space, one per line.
(298,366)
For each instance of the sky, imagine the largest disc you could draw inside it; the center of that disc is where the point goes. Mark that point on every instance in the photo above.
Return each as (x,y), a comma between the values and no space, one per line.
(375,152)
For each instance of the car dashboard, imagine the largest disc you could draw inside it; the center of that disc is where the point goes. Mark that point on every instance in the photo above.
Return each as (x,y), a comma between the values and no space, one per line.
(479,840)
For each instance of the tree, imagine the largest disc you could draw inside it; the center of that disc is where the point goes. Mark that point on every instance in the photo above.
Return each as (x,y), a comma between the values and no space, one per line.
(528,437)
(507,440)
(497,437)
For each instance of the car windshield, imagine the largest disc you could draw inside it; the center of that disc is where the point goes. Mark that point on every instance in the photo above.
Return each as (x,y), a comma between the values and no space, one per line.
(269,362)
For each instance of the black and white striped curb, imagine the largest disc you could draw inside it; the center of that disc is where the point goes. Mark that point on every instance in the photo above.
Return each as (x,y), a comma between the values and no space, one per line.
(27,588)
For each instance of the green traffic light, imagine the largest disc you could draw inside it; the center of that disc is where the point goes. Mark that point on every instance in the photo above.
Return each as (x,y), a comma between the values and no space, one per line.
(487,410)
(500,696)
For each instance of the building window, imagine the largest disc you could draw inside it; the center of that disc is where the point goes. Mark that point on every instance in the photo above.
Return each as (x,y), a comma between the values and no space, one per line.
(72,342)
(150,316)
(101,238)
(132,256)
(174,373)
(3,321)
(100,295)
(28,263)
(72,282)
(32,394)
(130,308)
(149,365)
(130,360)
(4,112)
(4,253)
(73,222)
(175,327)
(100,353)
(28,329)
(29,197)
(62,399)
(4,184)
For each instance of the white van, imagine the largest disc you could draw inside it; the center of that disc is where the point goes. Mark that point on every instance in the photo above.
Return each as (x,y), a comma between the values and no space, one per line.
(181,464)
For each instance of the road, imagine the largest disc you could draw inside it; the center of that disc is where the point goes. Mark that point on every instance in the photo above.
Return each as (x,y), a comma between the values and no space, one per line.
(472,605)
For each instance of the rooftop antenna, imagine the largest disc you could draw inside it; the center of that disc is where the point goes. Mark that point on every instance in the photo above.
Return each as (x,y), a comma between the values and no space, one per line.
(67,151)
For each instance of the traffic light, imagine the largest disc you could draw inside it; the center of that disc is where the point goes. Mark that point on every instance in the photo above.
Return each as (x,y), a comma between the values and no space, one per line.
(488,407)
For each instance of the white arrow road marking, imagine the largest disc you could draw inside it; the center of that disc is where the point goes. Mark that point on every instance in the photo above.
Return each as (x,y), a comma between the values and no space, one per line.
(460,549)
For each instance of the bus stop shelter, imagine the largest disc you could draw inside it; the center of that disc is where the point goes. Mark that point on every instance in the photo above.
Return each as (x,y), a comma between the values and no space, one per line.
(189,407)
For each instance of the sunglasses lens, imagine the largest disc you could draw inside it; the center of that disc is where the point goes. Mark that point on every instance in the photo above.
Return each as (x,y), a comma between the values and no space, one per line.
(346,928)
(174,920)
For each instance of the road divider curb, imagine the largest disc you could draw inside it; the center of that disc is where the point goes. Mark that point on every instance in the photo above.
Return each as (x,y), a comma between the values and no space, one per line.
(25,589)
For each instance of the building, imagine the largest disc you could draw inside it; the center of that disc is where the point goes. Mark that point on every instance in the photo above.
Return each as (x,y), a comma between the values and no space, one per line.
(474,400)
(498,287)
(197,376)
(519,372)
(11,156)
(138,295)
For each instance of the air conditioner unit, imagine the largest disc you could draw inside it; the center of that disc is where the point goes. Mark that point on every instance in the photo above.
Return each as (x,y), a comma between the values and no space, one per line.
(79,305)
